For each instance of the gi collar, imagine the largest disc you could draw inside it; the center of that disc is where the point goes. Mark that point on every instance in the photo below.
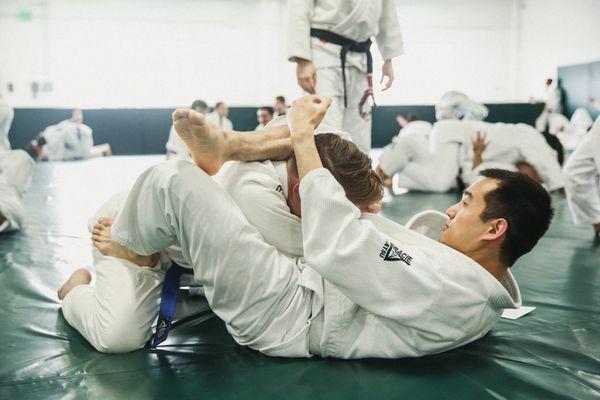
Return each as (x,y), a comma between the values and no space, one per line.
(504,293)
(282,175)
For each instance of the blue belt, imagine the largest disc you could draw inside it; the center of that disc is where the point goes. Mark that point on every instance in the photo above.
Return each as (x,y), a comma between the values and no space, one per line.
(168,300)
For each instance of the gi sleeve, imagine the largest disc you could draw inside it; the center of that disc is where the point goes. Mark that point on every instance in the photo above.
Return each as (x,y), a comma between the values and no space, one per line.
(389,38)
(298,34)
(259,195)
(385,276)
(581,182)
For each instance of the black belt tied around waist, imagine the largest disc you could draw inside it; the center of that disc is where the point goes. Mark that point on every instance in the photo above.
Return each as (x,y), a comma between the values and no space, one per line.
(347,45)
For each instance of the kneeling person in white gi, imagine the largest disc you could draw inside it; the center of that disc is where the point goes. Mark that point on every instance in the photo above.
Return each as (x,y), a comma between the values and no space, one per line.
(16,168)
(70,139)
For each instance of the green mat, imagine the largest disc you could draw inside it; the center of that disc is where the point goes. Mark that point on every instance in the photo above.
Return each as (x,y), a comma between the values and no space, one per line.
(553,353)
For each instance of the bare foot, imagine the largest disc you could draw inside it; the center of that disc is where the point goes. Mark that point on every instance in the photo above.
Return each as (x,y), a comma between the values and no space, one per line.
(205,141)
(81,276)
(102,238)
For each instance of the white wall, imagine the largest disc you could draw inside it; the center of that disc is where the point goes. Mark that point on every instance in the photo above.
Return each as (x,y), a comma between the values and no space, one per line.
(555,33)
(159,53)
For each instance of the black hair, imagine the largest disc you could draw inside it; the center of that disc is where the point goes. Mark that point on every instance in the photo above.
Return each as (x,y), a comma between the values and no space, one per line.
(526,206)
(269,109)
(199,105)
(280,98)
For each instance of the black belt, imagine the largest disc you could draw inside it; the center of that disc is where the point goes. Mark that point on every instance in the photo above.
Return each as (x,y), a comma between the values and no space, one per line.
(347,45)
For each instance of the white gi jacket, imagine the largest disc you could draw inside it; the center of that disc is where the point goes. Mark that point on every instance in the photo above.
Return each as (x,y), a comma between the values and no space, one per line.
(582,174)
(388,291)
(509,144)
(67,140)
(223,123)
(6,117)
(358,20)
(260,190)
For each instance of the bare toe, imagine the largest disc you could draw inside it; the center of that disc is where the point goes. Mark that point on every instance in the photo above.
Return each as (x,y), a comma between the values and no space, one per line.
(196,118)
(105,221)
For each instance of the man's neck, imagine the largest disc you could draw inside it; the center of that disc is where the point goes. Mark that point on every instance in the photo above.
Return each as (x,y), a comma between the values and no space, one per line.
(491,263)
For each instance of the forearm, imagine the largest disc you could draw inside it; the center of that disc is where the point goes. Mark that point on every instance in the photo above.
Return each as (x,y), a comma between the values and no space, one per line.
(477,160)
(268,144)
(307,156)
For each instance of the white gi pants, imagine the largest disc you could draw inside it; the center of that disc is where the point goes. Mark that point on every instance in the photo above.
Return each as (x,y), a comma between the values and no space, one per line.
(252,287)
(331,84)
(419,168)
(116,314)
(16,168)
(582,174)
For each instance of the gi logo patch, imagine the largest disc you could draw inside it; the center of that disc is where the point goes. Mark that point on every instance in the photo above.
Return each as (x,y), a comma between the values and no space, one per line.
(390,252)
(279,189)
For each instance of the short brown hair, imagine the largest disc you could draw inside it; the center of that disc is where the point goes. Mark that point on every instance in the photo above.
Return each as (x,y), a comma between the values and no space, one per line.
(351,168)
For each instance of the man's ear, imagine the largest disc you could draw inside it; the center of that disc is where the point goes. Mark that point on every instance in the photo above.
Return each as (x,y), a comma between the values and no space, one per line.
(371,209)
(497,228)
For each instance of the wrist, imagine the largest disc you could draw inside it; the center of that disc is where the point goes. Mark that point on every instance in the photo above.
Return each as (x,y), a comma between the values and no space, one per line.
(302,129)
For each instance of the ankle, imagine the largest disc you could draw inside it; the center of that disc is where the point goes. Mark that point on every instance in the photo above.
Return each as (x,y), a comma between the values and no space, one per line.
(232,144)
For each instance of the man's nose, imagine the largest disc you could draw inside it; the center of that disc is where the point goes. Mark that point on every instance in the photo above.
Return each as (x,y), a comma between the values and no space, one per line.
(451,212)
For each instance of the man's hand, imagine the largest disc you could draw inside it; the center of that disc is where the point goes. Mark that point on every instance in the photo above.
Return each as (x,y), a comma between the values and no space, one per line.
(307,75)
(387,71)
(306,114)
(479,145)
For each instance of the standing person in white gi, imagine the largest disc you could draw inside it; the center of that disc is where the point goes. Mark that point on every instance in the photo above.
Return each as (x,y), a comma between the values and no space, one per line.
(6,117)
(582,179)
(552,104)
(330,42)
(219,117)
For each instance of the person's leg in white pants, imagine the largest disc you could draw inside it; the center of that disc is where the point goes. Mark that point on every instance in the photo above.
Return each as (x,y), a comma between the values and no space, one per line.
(116,314)
(252,287)
(330,84)
(358,127)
